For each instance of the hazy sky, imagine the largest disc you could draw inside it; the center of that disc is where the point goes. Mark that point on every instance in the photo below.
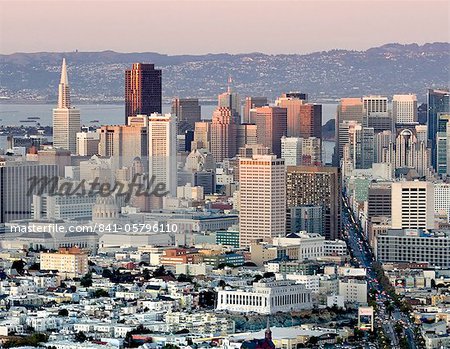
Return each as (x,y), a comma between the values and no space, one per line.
(197,27)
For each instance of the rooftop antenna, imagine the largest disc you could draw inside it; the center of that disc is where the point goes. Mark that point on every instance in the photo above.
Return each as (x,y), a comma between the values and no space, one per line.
(230,81)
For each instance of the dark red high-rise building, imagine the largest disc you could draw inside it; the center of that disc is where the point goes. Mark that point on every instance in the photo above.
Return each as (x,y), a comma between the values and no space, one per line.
(310,120)
(143,90)
(271,125)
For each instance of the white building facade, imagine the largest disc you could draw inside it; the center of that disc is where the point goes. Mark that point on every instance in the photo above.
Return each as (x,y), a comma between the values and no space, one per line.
(266,297)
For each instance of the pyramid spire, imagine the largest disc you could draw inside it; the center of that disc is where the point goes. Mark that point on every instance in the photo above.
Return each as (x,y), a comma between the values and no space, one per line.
(64,78)
(63,91)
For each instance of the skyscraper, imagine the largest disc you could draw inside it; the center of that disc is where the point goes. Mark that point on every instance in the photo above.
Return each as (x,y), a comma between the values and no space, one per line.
(270,127)
(379,200)
(301,151)
(123,143)
(251,103)
(143,90)
(246,134)
(375,105)
(188,112)
(16,181)
(291,150)
(448,149)
(231,100)
(310,121)
(87,143)
(404,109)
(223,134)
(361,145)
(66,119)
(376,113)
(442,154)
(412,205)
(262,200)
(438,101)
(162,153)
(382,142)
(298,95)
(312,151)
(316,185)
(349,109)
(411,152)
(292,105)
(202,135)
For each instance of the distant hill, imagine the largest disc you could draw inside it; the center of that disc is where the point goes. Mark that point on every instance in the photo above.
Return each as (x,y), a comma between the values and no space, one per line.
(328,130)
(98,76)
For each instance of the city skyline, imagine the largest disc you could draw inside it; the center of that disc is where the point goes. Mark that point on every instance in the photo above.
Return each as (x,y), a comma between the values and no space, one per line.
(304,204)
(339,21)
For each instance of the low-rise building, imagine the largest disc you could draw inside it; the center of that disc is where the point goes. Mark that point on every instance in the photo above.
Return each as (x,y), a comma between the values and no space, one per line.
(70,262)
(414,245)
(267,296)
(353,290)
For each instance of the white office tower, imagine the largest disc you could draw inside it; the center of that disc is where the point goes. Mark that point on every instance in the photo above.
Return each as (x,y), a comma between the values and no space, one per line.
(442,199)
(262,183)
(404,109)
(374,105)
(291,150)
(66,119)
(412,205)
(162,153)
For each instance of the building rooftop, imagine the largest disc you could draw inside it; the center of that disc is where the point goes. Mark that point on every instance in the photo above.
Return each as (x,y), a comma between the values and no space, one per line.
(421,233)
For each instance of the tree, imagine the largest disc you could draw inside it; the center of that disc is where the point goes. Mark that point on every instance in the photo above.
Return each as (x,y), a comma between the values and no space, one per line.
(32,340)
(35,266)
(101,293)
(80,337)
(184,278)
(107,273)
(63,312)
(86,280)
(257,278)
(313,340)
(268,274)
(170,346)
(357,333)
(390,308)
(433,283)
(146,274)
(183,331)
(18,265)
(160,271)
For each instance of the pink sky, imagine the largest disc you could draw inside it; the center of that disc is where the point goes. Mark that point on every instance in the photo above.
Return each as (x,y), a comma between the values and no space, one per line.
(197,27)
